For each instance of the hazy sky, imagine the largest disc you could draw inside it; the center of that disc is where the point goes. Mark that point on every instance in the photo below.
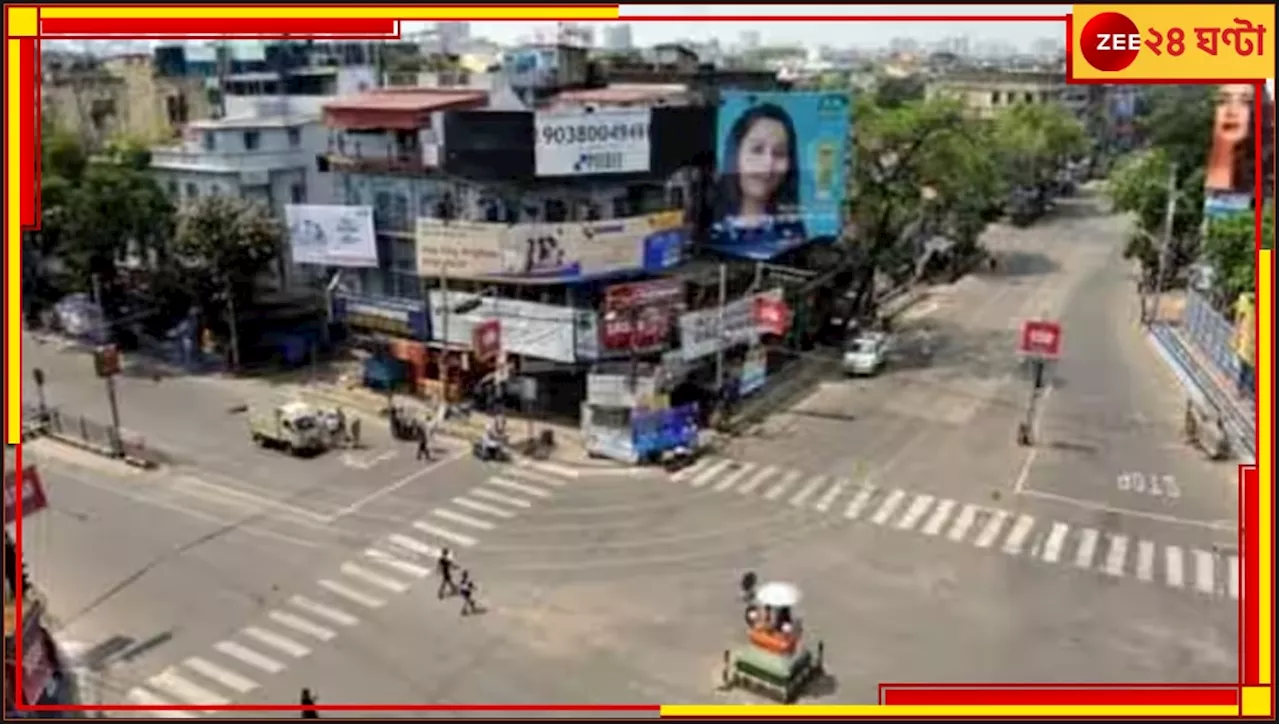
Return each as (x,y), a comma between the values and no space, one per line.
(852,33)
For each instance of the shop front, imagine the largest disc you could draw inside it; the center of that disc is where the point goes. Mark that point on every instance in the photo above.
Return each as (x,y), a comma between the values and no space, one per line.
(628,415)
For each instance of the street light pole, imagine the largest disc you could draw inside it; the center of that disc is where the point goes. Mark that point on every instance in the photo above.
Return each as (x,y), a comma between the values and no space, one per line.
(1170,210)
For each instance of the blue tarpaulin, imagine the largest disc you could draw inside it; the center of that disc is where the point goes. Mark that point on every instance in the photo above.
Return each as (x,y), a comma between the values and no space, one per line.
(656,431)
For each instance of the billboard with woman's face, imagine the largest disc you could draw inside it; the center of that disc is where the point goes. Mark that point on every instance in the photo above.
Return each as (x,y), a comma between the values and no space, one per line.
(782,159)
(1230,171)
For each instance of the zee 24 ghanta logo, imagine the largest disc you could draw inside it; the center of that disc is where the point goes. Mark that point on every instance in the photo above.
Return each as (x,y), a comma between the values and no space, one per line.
(1111,41)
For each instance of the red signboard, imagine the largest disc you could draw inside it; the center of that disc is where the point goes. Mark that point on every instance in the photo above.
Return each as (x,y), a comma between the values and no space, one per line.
(1040,339)
(639,315)
(33,497)
(38,663)
(772,315)
(486,339)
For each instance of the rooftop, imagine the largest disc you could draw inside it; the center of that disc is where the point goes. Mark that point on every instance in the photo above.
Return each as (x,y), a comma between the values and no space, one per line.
(239,122)
(400,109)
(623,93)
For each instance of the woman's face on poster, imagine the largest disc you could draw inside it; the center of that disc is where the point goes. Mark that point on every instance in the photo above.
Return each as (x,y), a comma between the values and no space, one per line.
(763,159)
(1234,108)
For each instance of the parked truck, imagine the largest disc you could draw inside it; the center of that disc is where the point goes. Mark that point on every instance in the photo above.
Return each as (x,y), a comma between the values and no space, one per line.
(294,427)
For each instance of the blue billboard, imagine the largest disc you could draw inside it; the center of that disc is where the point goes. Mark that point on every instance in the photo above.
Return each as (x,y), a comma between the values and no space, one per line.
(782,160)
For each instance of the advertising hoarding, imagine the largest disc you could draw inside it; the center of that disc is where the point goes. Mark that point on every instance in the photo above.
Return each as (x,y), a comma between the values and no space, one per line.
(384,315)
(781,160)
(638,316)
(701,333)
(542,331)
(560,252)
(583,143)
(331,235)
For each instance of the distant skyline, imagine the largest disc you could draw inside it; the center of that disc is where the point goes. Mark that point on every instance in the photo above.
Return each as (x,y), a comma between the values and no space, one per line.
(843,34)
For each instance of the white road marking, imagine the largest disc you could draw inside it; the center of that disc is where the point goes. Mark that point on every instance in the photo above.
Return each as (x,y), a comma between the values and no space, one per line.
(562,471)
(538,477)
(915,512)
(859,502)
(519,487)
(686,473)
(226,677)
(963,522)
(1116,549)
(391,561)
(888,507)
(809,489)
(1088,544)
(729,480)
(1053,544)
(393,487)
(757,479)
(991,530)
(479,507)
(246,655)
(302,625)
(275,640)
(1204,570)
(351,594)
(1233,577)
(1145,567)
(1218,525)
(413,544)
(369,576)
(170,682)
(941,512)
(706,475)
(1173,567)
(463,519)
(1018,535)
(336,615)
(829,498)
(142,697)
(465,541)
(781,487)
(500,498)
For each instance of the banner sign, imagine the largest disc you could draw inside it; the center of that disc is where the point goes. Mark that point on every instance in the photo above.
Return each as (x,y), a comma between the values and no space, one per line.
(33,495)
(332,235)
(383,315)
(755,370)
(772,315)
(1040,338)
(638,316)
(550,251)
(782,159)
(541,331)
(584,143)
(1137,43)
(701,333)
(655,431)
(486,339)
(1229,169)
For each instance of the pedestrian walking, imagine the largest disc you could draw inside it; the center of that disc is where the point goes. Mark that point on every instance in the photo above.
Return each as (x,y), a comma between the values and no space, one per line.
(308,699)
(424,444)
(444,567)
(467,589)
(355,433)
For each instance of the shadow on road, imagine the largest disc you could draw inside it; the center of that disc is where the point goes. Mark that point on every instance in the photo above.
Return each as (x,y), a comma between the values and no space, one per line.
(121,649)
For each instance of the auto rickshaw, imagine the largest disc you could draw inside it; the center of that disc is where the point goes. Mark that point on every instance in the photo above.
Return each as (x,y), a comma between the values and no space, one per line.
(774,662)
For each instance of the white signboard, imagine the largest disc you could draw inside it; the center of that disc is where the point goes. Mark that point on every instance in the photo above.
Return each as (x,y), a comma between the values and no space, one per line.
(537,330)
(460,248)
(700,331)
(582,143)
(332,235)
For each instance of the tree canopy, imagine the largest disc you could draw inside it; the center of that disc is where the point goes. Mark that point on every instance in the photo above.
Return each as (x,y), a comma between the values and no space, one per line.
(1229,249)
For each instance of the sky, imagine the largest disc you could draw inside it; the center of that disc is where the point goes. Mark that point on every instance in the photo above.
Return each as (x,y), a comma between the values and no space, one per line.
(846,34)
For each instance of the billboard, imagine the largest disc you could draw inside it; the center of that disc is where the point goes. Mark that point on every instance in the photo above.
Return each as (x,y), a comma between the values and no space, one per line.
(781,162)
(584,143)
(1229,177)
(639,315)
(550,251)
(331,235)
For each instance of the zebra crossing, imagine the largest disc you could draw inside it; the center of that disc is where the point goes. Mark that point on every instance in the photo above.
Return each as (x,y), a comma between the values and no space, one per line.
(1113,555)
(294,628)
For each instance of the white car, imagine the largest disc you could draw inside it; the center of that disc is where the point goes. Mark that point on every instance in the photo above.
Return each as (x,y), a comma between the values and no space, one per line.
(865,354)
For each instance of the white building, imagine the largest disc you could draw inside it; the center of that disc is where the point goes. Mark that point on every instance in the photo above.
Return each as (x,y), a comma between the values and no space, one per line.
(618,37)
(302,91)
(272,159)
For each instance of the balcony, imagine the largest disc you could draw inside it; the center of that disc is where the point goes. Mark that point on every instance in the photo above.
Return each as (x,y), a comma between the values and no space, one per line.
(178,158)
(412,160)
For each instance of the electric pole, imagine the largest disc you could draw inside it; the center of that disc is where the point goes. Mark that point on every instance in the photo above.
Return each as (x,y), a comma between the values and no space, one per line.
(1170,210)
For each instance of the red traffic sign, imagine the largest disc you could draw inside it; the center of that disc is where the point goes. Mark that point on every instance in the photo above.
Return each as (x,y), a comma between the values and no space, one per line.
(772,315)
(486,339)
(1041,338)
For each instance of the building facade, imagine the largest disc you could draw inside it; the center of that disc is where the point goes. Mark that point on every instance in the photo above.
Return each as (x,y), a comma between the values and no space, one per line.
(986,94)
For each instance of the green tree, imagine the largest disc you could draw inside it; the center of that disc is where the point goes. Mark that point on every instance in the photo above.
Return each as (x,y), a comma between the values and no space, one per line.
(1229,249)
(1177,119)
(922,167)
(1140,185)
(1035,140)
(225,244)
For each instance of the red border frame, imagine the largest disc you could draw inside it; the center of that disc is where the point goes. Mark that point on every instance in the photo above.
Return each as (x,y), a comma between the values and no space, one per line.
(918,693)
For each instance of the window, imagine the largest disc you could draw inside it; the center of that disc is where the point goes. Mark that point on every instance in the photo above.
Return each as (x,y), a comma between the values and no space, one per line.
(210,143)
(295,138)
(173,188)
(193,191)
(251,140)
(556,211)
(297,193)
(995,98)
(1029,97)
(215,189)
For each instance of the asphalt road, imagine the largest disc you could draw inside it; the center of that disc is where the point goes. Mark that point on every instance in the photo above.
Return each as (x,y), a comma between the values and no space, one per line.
(929,545)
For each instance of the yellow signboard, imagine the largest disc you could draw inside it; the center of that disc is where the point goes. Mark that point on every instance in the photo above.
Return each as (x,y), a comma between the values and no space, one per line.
(1134,43)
